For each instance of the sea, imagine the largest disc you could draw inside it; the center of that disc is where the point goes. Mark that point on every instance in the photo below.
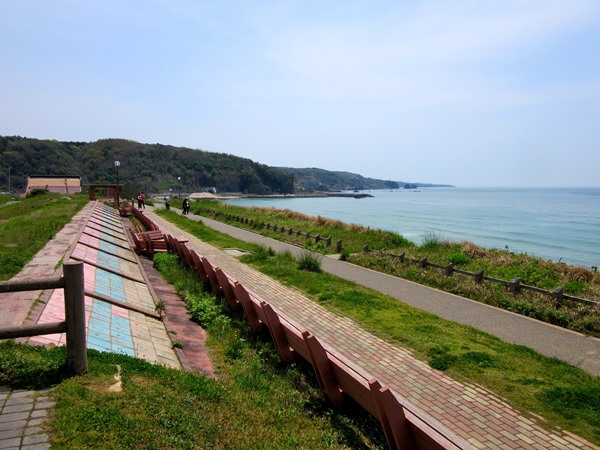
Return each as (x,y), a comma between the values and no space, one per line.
(557,224)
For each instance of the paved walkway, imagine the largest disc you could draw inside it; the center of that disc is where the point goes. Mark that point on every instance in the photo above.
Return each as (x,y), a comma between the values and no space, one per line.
(118,314)
(549,340)
(119,306)
(22,417)
(476,415)
(119,311)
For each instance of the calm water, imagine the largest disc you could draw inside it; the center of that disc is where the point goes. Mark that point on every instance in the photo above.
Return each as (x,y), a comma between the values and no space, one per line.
(560,224)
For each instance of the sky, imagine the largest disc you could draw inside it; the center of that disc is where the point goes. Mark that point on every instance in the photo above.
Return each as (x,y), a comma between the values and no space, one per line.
(464,92)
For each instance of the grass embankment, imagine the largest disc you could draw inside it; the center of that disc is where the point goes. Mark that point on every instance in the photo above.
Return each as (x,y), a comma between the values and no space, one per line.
(499,264)
(563,395)
(256,402)
(26,225)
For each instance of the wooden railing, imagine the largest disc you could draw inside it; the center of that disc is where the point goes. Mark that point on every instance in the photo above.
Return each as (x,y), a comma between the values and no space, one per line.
(405,425)
(514,285)
(74,325)
(256,224)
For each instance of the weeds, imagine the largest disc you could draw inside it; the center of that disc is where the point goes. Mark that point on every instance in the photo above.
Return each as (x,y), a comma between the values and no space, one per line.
(310,262)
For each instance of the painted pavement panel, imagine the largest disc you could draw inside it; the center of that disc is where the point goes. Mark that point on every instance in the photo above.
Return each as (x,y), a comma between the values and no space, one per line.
(112,328)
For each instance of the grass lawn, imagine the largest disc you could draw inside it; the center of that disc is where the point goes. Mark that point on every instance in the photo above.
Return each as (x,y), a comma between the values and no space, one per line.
(563,395)
(26,225)
(500,264)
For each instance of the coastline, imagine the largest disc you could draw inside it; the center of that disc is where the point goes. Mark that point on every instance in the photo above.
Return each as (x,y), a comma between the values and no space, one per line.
(316,194)
(550,223)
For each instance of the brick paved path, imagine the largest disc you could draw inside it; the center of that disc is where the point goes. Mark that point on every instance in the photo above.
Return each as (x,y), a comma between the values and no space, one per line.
(96,236)
(111,272)
(22,414)
(476,415)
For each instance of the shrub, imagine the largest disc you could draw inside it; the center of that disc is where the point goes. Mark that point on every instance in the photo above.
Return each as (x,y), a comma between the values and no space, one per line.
(442,362)
(459,258)
(261,253)
(203,308)
(344,255)
(432,240)
(235,349)
(36,192)
(310,262)
(574,286)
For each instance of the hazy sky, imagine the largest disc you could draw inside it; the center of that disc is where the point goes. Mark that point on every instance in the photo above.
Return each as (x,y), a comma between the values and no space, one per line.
(471,93)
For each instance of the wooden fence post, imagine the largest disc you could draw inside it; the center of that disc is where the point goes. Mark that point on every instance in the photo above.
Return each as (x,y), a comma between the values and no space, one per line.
(558,294)
(479,276)
(449,269)
(75,317)
(423,263)
(515,285)
(339,246)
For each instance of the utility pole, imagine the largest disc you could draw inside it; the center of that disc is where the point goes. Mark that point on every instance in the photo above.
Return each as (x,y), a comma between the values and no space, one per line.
(117,164)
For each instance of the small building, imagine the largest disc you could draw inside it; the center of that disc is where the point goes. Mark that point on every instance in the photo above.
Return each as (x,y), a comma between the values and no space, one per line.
(60,184)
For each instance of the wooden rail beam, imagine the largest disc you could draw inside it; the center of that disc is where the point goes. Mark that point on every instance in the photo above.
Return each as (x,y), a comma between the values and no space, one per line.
(248,307)
(277,332)
(323,369)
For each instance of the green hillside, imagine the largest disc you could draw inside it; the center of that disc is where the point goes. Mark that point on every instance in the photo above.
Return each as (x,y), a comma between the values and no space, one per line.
(144,167)
(158,168)
(313,179)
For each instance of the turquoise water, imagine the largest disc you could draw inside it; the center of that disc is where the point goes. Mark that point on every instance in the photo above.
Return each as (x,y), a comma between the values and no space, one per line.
(559,224)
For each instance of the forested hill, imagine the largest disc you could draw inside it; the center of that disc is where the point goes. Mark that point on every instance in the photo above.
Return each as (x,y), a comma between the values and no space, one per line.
(143,167)
(313,179)
(157,168)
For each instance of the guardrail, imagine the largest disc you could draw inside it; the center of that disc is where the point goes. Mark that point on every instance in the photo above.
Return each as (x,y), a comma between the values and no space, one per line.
(74,324)
(404,424)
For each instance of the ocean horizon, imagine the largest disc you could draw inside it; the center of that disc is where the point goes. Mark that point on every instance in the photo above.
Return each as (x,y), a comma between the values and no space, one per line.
(560,224)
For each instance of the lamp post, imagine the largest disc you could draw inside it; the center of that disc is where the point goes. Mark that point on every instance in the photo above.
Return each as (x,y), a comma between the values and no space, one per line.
(179,191)
(117,164)
(9,179)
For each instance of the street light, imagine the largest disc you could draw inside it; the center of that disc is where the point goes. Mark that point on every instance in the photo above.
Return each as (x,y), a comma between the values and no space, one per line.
(117,164)
(179,191)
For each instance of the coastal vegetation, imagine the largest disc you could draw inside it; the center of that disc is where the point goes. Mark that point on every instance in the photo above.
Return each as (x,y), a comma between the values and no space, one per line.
(557,393)
(499,264)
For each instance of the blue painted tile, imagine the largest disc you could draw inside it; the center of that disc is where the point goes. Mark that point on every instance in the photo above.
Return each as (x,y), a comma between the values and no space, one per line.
(98,342)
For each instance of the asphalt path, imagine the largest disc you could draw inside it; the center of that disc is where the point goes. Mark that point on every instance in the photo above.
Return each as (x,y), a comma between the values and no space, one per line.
(576,349)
